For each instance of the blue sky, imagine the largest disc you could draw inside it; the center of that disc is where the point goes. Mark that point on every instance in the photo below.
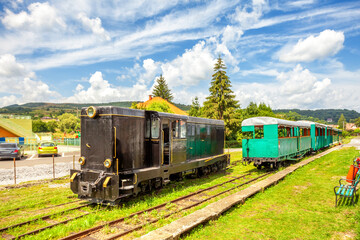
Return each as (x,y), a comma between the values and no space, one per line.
(289,54)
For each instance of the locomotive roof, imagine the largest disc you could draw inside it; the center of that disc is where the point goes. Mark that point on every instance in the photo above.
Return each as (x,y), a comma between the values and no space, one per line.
(110,110)
(192,119)
(261,121)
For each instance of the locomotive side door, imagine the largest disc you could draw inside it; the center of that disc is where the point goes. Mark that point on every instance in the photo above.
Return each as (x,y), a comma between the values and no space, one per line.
(152,139)
(165,141)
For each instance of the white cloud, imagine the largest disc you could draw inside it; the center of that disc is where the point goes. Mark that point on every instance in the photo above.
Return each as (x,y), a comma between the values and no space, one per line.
(18,82)
(151,69)
(94,25)
(41,17)
(298,88)
(327,43)
(246,19)
(190,68)
(101,91)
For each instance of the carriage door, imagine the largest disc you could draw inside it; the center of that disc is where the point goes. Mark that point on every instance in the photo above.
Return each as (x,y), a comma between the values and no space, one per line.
(165,141)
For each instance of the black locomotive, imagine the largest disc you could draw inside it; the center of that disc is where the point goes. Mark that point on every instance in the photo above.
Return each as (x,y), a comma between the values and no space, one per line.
(127,151)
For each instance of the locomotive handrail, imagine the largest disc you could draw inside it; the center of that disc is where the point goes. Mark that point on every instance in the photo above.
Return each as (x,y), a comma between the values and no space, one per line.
(114,142)
(162,147)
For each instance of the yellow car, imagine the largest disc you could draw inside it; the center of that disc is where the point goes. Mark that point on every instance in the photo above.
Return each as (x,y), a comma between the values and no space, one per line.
(47,148)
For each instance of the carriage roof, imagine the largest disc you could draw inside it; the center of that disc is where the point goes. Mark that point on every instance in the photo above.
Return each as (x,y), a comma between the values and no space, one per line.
(261,121)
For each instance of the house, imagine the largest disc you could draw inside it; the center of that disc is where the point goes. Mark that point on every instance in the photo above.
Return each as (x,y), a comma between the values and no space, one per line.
(151,100)
(15,126)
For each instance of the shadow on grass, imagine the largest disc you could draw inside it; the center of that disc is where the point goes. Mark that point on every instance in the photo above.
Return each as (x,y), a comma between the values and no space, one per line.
(347,201)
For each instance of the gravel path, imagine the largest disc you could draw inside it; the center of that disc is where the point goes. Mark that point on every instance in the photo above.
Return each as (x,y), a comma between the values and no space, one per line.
(38,172)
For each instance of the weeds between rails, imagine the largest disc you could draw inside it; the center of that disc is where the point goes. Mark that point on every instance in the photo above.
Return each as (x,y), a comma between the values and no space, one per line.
(62,222)
(43,218)
(165,210)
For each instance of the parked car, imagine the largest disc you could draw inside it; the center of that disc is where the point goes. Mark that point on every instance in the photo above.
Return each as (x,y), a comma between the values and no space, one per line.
(11,150)
(47,148)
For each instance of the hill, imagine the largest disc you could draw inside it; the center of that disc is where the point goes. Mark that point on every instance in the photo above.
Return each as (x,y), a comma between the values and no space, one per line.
(40,109)
(324,114)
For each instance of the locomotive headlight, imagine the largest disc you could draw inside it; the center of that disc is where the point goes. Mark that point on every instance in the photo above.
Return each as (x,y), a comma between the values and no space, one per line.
(91,112)
(82,160)
(107,163)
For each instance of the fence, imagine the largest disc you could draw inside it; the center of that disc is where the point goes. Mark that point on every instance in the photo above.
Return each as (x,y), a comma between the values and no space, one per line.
(29,144)
(68,141)
(233,144)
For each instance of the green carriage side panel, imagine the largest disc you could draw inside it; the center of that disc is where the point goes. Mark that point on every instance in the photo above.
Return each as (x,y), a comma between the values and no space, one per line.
(288,146)
(271,131)
(248,128)
(304,143)
(313,136)
(260,148)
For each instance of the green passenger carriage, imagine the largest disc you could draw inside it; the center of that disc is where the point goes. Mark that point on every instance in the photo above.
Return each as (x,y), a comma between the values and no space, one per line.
(269,141)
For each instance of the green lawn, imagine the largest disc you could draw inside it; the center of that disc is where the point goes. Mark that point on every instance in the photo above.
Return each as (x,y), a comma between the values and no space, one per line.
(299,207)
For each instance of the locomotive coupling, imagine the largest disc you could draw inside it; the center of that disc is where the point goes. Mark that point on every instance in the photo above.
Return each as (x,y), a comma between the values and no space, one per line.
(94,184)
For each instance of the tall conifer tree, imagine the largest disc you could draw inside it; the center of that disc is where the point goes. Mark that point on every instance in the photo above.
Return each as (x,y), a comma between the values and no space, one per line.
(195,109)
(221,103)
(162,90)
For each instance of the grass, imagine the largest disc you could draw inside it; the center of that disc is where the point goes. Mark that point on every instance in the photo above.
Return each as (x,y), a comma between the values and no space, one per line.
(300,207)
(33,198)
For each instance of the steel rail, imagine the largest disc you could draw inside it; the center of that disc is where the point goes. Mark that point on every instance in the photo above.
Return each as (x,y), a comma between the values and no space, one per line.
(90,231)
(184,208)
(43,217)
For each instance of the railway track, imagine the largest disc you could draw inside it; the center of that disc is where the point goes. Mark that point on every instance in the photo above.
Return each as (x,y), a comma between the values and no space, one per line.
(52,206)
(136,221)
(46,218)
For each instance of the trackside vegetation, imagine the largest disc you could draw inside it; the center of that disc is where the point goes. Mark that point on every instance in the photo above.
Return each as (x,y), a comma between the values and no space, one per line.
(302,206)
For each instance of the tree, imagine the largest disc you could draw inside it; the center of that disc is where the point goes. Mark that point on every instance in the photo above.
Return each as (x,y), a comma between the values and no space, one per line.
(357,122)
(51,126)
(68,122)
(195,109)
(162,90)
(159,107)
(39,126)
(342,122)
(221,103)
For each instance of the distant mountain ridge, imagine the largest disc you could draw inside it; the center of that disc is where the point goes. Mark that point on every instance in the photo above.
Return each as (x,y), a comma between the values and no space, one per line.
(47,108)
(324,114)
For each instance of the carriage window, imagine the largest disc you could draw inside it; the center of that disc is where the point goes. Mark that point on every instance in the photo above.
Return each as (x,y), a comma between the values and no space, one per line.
(202,132)
(189,126)
(281,132)
(182,129)
(193,130)
(197,130)
(155,127)
(208,129)
(147,132)
(248,135)
(259,132)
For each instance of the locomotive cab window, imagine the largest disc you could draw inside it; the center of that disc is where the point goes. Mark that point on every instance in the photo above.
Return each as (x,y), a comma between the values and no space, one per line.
(182,129)
(155,128)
